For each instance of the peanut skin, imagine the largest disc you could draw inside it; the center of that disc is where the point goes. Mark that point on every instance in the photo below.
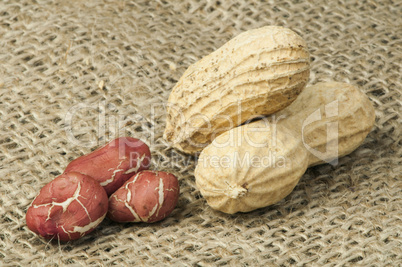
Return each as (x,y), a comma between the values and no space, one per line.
(148,196)
(114,163)
(68,207)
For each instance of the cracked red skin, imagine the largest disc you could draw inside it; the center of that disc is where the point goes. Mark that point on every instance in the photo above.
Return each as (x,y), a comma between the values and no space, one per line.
(148,196)
(85,205)
(114,163)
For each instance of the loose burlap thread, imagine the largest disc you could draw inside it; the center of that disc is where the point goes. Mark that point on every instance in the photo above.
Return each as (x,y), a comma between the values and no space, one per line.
(75,74)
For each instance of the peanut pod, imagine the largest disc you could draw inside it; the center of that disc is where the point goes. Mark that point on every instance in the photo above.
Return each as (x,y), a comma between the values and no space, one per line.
(258,164)
(258,72)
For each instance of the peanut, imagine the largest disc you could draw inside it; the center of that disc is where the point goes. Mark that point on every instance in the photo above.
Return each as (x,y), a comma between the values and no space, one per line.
(347,110)
(114,163)
(148,196)
(258,164)
(68,207)
(258,72)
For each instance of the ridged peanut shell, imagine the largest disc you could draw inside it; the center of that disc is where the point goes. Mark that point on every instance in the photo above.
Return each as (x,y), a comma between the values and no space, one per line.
(259,72)
(327,120)
(331,118)
(250,167)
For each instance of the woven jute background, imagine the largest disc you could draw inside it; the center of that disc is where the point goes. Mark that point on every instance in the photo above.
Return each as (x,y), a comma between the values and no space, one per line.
(75,74)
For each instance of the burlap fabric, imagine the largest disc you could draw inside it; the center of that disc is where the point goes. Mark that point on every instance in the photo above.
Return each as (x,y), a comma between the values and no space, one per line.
(74,74)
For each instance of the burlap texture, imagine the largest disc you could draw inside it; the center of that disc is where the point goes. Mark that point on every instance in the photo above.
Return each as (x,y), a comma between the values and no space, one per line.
(74,74)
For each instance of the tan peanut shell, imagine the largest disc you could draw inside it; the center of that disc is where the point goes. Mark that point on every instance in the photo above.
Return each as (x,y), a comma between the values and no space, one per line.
(331,118)
(248,167)
(297,136)
(258,72)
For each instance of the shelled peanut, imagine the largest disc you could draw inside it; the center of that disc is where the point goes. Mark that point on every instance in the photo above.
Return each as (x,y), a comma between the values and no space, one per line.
(258,164)
(148,196)
(67,208)
(114,163)
(76,202)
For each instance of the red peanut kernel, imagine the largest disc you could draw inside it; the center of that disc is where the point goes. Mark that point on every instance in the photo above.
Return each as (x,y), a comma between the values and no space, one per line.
(68,207)
(148,196)
(114,163)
